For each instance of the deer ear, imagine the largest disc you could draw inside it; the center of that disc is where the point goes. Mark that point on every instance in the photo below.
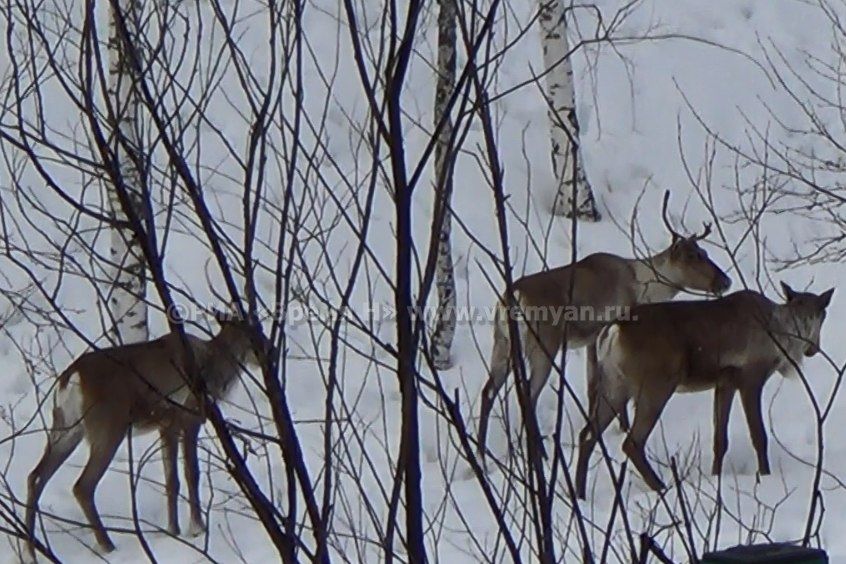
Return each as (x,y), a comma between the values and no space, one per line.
(825,297)
(789,292)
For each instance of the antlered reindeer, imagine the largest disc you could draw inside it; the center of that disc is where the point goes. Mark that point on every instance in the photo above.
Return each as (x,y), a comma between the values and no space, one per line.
(144,386)
(602,282)
(730,344)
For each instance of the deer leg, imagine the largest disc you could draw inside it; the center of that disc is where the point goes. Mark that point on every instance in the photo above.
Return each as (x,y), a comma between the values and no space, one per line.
(500,368)
(61,442)
(541,352)
(750,396)
(723,398)
(604,410)
(192,477)
(540,362)
(170,450)
(103,449)
(649,404)
(593,388)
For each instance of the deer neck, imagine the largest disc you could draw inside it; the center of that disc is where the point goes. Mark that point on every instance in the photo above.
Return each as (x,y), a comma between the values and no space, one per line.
(791,336)
(654,281)
(220,369)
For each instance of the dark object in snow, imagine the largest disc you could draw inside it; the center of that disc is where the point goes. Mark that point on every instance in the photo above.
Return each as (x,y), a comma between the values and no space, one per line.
(780,552)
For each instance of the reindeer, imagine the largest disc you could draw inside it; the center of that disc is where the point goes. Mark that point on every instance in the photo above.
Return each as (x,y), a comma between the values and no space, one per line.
(144,386)
(603,286)
(730,344)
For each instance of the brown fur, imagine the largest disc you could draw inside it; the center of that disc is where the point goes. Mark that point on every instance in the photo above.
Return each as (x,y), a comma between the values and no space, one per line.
(600,281)
(142,386)
(730,344)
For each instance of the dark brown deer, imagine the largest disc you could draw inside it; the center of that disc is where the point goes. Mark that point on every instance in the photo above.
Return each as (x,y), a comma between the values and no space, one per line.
(597,289)
(730,344)
(144,386)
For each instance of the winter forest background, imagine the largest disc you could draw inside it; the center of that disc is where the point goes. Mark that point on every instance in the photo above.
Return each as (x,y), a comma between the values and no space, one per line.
(320,167)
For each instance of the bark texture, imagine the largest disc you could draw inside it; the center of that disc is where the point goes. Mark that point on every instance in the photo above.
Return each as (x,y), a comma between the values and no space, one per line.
(574,193)
(444,332)
(127,297)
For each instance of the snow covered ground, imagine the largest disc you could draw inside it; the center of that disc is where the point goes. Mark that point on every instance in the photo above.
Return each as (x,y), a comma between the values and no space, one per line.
(638,106)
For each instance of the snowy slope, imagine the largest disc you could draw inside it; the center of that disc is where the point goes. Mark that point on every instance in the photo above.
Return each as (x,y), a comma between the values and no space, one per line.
(636,106)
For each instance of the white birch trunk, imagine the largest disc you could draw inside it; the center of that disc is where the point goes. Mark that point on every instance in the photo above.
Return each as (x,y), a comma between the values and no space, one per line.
(127,301)
(444,157)
(564,125)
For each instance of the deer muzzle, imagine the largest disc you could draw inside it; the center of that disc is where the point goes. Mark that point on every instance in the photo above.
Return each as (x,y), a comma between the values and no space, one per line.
(721,283)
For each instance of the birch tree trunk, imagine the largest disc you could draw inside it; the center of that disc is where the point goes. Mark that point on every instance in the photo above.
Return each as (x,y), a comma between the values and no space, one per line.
(574,192)
(444,158)
(128,272)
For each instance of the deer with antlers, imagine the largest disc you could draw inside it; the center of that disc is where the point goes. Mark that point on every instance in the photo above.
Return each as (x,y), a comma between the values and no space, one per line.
(732,344)
(602,286)
(144,386)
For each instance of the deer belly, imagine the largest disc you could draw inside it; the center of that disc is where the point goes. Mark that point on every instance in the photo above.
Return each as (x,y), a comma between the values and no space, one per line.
(146,426)
(700,380)
(704,369)
(695,386)
(162,412)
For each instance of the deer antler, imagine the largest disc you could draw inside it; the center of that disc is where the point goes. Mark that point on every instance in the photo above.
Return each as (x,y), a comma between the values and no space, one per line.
(672,231)
(705,232)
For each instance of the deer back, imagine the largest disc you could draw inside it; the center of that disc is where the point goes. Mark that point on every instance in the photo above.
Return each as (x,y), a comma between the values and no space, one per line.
(585,295)
(141,383)
(691,341)
(696,341)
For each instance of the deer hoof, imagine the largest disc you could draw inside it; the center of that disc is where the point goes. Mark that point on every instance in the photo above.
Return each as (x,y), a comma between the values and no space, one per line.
(105,547)
(196,528)
(173,529)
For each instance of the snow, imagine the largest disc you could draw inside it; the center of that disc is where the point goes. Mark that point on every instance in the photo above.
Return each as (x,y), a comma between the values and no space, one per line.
(643,107)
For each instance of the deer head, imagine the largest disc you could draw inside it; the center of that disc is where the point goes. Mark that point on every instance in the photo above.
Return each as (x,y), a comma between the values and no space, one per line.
(688,264)
(240,339)
(805,315)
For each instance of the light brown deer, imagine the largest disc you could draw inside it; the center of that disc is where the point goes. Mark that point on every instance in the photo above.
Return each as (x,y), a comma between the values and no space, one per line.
(144,387)
(568,306)
(730,344)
